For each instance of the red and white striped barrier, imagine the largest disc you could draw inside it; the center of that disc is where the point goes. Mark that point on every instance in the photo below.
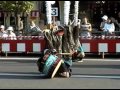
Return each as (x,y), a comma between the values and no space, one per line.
(94,44)
(25,44)
(110,44)
(100,37)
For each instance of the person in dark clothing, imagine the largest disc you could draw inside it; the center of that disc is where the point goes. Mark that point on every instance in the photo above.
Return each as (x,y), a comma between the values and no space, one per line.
(63,71)
(117,25)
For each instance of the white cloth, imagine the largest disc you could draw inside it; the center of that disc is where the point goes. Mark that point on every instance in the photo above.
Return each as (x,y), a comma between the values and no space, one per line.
(109,27)
(85,30)
(1,33)
(11,36)
(85,27)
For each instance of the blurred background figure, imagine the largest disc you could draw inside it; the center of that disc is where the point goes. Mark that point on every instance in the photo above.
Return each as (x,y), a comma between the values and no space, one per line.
(117,25)
(34,30)
(10,35)
(109,28)
(104,20)
(85,27)
(20,26)
(2,30)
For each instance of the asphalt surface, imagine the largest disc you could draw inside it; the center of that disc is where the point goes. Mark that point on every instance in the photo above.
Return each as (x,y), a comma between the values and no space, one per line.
(92,73)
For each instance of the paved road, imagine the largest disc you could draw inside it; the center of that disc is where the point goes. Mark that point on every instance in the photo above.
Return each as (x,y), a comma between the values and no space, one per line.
(89,74)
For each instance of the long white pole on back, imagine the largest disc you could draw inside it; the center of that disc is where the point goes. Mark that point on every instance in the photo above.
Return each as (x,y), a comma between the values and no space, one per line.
(76,13)
(48,11)
(66,12)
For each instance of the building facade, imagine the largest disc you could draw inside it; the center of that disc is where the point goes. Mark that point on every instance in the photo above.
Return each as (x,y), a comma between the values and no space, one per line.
(93,9)
(8,18)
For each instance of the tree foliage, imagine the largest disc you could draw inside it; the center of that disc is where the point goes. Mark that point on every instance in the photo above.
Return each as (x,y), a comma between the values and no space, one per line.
(16,6)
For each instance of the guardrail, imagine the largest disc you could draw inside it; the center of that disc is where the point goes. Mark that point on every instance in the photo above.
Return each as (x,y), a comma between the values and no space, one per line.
(25,44)
(98,44)
(33,44)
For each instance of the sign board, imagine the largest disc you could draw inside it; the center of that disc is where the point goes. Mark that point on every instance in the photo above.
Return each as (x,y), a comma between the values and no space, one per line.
(54,11)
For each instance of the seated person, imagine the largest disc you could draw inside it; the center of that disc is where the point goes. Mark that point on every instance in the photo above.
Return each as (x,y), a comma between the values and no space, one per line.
(64,69)
(10,35)
(117,25)
(104,20)
(2,31)
(108,28)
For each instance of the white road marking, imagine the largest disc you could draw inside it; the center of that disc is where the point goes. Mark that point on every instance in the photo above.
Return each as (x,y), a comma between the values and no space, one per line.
(94,76)
(73,76)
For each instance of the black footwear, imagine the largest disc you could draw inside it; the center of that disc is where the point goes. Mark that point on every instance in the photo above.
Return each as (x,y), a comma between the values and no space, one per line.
(78,60)
(70,72)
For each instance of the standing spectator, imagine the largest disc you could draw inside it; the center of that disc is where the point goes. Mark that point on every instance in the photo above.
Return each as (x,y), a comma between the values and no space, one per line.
(85,28)
(10,35)
(20,26)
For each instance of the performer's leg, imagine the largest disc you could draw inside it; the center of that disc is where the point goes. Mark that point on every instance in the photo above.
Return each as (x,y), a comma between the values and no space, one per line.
(68,65)
(63,71)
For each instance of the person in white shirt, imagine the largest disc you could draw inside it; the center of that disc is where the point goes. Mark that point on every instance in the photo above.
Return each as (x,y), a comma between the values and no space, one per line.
(104,18)
(2,31)
(109,28)
(10,35)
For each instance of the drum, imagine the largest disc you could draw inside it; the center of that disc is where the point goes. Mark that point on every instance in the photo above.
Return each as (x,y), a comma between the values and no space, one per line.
(51,66)
(41,61)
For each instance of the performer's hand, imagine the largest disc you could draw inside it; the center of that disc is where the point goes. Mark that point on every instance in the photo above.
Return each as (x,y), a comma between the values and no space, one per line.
(72,51)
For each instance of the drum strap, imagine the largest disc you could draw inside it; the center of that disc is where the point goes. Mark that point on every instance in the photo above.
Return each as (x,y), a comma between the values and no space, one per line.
(45,57)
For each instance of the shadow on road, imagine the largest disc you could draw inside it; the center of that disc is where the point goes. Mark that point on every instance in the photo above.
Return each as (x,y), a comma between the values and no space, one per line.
(37,76)
(21,75)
